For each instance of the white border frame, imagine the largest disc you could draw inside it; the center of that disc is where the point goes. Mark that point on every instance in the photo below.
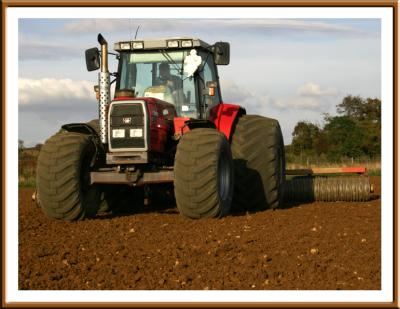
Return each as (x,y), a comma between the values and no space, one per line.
(11,219)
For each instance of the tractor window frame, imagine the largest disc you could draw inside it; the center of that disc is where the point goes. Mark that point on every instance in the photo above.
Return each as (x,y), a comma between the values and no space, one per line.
(207,62)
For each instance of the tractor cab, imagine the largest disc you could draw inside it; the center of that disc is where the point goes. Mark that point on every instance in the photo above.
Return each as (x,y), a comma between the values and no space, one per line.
(180,71)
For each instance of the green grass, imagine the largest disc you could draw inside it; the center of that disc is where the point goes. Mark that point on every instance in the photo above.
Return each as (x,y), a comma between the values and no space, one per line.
(27,172)
(373,167)
(27,182)
(28,153)
(376,172)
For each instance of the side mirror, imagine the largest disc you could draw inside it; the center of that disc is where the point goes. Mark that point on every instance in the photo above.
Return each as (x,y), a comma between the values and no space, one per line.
(221,53)
(92,56)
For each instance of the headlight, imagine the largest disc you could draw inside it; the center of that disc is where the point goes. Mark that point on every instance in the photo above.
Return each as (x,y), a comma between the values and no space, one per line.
(187,44)
(118,133)
(125,45)
(136,132)
(173,44)
(137,45)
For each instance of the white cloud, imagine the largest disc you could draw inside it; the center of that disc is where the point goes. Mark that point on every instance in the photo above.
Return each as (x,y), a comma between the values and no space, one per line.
(46,104)
(315,90)
(233,93)
(308,97)
(55,91)
(287,24)
(148,25)
(306,103)
(90,25)
(37,50)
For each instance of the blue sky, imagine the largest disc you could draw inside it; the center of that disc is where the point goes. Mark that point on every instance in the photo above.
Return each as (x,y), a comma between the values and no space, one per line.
(288,69)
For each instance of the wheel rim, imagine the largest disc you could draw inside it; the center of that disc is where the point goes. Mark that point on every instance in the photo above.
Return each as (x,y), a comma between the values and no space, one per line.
(224,177)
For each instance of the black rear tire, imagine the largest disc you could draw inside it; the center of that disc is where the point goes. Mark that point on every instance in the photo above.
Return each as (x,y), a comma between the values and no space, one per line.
(259,160)
(203,181)
(63,177)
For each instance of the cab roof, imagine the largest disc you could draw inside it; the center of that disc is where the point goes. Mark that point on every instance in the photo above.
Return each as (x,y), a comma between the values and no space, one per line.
(163,43)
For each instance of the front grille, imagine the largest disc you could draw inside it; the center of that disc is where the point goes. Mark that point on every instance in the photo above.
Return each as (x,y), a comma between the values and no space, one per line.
(127,142)
(127,116)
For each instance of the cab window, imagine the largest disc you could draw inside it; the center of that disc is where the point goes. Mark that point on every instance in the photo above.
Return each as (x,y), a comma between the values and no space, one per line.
(160,75)
(208,74)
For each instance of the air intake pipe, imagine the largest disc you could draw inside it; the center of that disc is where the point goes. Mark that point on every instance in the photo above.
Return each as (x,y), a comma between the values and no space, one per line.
(104,87)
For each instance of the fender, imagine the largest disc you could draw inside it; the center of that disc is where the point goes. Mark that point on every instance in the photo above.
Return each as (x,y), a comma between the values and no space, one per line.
(85,128)
(184,124)
(180,126)
(224,117)
(82,128)
(200,123)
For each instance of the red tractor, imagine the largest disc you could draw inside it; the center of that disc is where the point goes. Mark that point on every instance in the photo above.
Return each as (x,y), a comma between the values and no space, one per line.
(167,123)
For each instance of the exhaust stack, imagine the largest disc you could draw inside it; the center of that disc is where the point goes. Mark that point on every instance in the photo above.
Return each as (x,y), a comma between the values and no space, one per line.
(104,85)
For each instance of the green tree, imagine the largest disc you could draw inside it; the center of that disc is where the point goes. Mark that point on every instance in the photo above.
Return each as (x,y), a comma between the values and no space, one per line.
(354,132)
(360,109)
(371,143)
(343,137)
(372,110)
(351,107)
(304,136)
(367,115)
(321,144)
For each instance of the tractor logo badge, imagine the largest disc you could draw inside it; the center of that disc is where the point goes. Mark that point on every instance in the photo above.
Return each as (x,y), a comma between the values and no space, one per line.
(126,120)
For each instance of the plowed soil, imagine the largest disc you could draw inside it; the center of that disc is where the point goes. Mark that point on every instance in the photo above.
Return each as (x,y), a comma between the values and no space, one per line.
(308,246)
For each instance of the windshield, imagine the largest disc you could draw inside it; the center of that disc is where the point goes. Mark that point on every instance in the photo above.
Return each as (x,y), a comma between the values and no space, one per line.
(160,75)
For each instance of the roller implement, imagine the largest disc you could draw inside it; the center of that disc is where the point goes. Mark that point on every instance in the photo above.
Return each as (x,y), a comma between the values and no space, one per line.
(165,124)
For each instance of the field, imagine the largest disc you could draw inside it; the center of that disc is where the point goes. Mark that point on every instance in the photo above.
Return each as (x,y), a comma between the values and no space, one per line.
(323,246)
(373,167)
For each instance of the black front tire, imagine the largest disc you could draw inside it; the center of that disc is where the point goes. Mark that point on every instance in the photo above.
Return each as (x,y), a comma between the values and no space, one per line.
(63,177)
(203,174)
